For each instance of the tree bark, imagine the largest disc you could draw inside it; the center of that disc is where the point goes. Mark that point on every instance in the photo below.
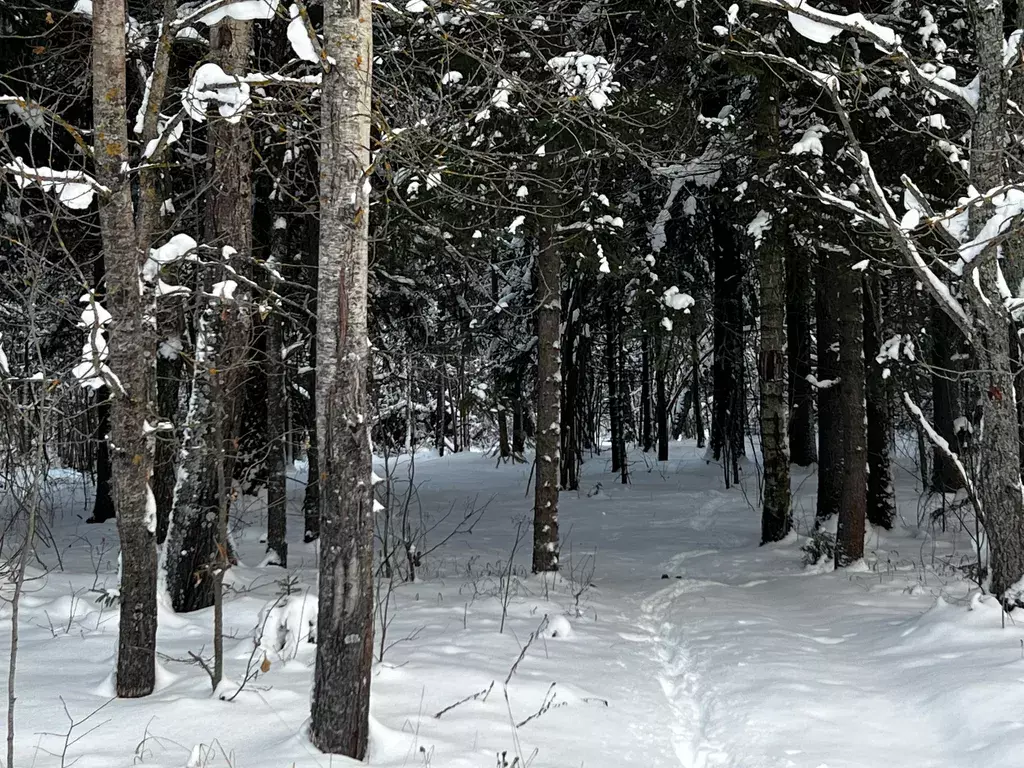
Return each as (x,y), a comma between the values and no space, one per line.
(776,516)
(881,509)
(130,358)
(803,450)
(852,512)
(103,502)
(698,409)
(611,364)
(1000,481)
(945,401)
(549,373)
(727,415)
(830,421)
(344,653)
(646,421)
(277,475)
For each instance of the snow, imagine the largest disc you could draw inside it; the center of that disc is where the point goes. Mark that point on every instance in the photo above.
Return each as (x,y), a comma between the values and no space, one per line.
(760,224)
(173,250)
(298,36)
(582,74)
(242,10)
(211,83)
(74,189)
(678,300)
(83,8)
(670,638)
(810,142)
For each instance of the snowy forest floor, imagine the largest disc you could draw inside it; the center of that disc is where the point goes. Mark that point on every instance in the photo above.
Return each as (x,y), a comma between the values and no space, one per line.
(743,657)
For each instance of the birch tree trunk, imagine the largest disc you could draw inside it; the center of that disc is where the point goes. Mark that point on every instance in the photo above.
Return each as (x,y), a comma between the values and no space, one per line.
(549,374)
(130,358)
(344,652)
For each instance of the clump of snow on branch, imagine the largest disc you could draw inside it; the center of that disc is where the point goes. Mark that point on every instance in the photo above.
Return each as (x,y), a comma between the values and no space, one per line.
(92,372)
(173,250)
(582,74)
(210,83)
(299,36)
(760,224)
(242,10)
(74,189)
(810,142)
(677,300)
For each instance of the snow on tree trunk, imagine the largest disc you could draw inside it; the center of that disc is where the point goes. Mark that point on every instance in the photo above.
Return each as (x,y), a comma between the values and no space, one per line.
(776,517)
(881,510)
(549,374)
(130,358)
(852,512)
(344,655)
(1000,480)
(192,539)
(277,515)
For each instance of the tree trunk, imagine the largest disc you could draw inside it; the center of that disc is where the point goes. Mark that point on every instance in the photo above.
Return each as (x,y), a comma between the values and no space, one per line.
(277,474)
(727,415)
(611,365)
(518,425)
(830,421)
(1000,481)
(646,421)
(776,516)
(130,358)
(661,410)
(881,509)
(698,409)
(945,401)
(803,450)
(344,652)
(625,411)
(549,373)
(570,388)
(850,533)
(103,503)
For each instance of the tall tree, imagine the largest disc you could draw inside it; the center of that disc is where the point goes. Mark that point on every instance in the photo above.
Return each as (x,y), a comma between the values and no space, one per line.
(852,512)
(830,421)
(549,374)
(344,651)
(131,358)
(769,239)
(881,510)
(799,285)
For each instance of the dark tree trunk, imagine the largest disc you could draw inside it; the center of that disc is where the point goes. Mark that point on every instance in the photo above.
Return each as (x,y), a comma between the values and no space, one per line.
(698,409)
(570,394)
(168,393)
(661,411)
(308,411)
(276,432)
(518,425)
(852,513)
(646,421)
(103,503)
(830,421)
(945,401)
(549,372)
(776,516)
(881,510)
(803,449)
(727,415)
(625,411)
(611,363)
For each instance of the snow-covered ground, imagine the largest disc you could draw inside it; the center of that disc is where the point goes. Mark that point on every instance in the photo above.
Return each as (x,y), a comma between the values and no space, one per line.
(670,639)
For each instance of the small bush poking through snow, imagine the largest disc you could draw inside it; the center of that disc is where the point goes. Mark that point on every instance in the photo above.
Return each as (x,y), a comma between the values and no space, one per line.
(821,546)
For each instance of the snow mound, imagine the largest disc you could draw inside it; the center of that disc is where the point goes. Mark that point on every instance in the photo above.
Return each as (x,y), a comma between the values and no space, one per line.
(558,627)
(288,624)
